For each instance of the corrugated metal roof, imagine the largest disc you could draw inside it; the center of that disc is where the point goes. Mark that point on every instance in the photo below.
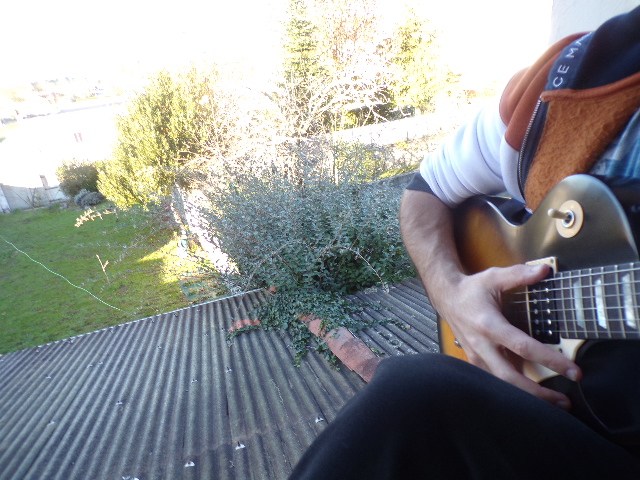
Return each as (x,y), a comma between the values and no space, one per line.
(166,397)
(415,330)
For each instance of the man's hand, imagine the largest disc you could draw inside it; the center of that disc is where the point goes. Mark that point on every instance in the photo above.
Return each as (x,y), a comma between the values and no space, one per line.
(472,309)
(472,304)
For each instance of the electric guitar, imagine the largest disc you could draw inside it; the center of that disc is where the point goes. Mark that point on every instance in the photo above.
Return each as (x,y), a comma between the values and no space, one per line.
(588,308)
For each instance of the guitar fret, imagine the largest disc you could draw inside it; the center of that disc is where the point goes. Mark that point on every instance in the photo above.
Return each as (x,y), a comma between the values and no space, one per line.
(591,323)
(633,300)
(630,319)
(613,301)
(588,299)
(613,327)
(600,307)
(569,319)
(622,294)
(578,306)
(629,295)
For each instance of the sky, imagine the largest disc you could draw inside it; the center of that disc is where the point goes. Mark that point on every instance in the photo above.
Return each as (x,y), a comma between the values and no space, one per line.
(486,41)
(80,38)
(489,40)
(66,38)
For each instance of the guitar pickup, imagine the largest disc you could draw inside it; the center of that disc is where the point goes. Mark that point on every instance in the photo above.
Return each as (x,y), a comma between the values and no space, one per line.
(541,308)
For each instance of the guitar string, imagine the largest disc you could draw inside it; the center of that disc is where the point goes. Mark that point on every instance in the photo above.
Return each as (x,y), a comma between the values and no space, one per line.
(571,297)
(594,271)
(591,311)
(568,276)
(575,276)
(590,321)
(595,333)
(540,306)
(570,288)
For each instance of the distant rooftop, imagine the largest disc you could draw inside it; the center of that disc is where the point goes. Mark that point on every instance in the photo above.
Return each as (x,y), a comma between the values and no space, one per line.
(167,397)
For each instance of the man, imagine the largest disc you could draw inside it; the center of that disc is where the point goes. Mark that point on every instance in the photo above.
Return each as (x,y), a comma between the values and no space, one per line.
(437,417)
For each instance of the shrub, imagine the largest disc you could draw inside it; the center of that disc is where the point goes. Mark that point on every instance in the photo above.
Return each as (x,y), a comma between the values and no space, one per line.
(366,162)
(324,229)
(85,198)
(166,125)
(76,175)
(312,238)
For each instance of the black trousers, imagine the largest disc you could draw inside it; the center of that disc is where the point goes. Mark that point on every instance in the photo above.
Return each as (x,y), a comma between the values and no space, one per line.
(433,416)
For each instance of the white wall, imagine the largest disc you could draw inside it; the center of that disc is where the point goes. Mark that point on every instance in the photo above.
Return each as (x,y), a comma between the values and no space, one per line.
(37,146)
(26,198)
(571,16)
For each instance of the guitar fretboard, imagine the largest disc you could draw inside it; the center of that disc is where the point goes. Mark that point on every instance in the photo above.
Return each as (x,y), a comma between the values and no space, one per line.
(593,303)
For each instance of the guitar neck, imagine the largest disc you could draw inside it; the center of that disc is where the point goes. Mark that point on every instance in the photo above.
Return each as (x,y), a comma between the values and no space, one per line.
(591,303)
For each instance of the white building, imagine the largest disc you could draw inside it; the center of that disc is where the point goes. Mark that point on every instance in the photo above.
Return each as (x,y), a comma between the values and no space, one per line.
(39,145)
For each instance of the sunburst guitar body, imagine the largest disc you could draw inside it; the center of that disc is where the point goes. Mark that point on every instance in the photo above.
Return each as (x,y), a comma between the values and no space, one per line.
(582,230)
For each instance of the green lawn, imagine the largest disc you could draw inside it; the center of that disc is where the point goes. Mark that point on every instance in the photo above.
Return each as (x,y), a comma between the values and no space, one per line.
(37,306)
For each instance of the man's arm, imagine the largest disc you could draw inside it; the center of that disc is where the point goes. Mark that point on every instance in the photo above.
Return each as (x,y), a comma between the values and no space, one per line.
(471,303)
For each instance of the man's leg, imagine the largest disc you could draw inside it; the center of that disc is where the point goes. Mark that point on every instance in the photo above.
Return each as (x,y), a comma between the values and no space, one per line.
(432,416)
